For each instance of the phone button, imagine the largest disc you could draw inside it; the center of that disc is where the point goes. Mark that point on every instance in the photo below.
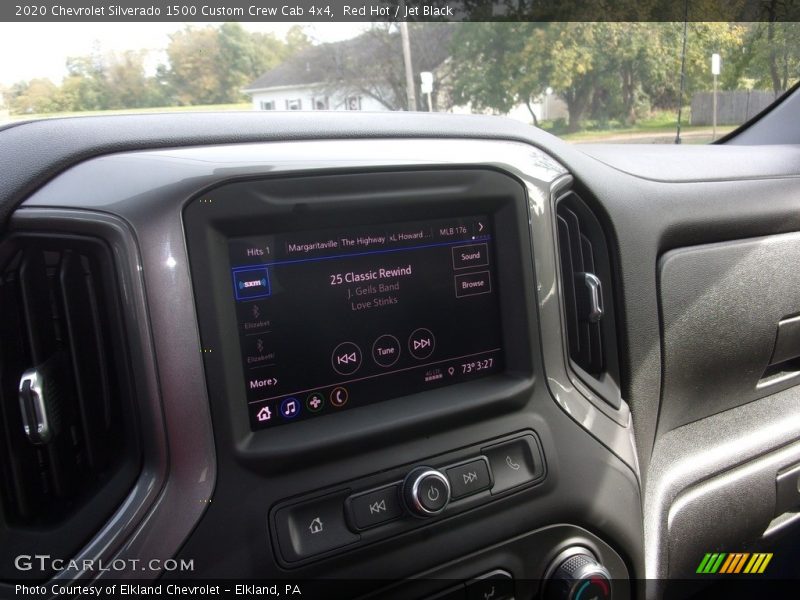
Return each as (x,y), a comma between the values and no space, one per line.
(339,397)
(514,463)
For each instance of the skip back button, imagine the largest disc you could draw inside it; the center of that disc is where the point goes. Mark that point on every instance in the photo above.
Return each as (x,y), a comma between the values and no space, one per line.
(375,507)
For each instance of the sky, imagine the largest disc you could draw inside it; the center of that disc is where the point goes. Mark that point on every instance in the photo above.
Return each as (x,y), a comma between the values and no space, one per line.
(31,50)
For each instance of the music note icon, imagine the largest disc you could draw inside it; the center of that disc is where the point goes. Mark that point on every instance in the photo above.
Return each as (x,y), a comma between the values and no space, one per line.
(290,408)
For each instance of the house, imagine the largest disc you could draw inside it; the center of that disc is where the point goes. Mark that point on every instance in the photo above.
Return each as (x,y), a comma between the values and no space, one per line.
(366,73)
(304,81)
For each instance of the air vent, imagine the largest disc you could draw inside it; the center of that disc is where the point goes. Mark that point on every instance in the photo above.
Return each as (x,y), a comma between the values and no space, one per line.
(587,294)
(66,416)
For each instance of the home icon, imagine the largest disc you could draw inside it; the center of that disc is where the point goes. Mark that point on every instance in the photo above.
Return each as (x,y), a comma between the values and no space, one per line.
(316,526)
(264,414)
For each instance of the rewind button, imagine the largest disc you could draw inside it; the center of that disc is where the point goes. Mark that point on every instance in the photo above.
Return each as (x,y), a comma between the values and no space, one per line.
(375,507)
(346,358)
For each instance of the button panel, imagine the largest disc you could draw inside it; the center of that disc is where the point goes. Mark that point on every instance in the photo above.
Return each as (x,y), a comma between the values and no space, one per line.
(376,507)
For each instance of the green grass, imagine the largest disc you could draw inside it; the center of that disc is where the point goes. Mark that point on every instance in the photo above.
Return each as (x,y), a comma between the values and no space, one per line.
(659,122)
(131,111)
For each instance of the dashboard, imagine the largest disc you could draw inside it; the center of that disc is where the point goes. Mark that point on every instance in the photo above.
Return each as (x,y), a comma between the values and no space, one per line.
(414,356)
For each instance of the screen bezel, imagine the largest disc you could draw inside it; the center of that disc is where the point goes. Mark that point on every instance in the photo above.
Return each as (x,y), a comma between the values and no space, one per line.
(320,201)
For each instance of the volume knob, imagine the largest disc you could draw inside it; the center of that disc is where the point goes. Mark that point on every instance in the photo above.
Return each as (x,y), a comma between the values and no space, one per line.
(576,575)
(426,492)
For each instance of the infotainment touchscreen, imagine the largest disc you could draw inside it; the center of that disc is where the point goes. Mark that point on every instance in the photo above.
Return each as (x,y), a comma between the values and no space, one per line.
(336,319)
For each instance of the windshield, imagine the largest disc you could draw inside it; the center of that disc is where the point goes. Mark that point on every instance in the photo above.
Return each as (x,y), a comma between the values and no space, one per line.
(585,82)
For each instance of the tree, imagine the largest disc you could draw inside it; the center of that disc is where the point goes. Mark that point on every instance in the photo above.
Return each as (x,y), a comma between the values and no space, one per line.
(488,69)
(770,57)
(211,65)
(499,65)
(605,70)
(244,56)
(372,63)
(192,71)
(34,96)
(126,83)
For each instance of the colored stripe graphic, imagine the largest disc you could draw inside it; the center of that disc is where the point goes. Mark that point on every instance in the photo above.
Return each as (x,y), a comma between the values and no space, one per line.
(749,568)
(717,564)
(764,564)
(758,563)
(711,563)
(701,568)
(724,563)
(735,558)
(729,563)
(741,562)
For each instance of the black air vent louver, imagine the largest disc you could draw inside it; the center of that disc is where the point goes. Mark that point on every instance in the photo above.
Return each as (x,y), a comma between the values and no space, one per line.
(66,421)
(588,302)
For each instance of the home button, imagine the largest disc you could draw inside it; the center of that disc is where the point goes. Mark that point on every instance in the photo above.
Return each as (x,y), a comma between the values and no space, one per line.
(313,527)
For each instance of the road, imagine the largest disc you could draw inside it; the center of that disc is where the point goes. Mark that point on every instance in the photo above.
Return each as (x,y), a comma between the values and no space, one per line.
(694,136)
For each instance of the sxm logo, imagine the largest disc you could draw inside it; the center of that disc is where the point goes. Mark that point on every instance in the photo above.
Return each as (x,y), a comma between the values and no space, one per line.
(735,562)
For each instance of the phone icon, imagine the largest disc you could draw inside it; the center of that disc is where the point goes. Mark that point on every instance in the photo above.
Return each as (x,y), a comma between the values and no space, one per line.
(512,465)
(339,397)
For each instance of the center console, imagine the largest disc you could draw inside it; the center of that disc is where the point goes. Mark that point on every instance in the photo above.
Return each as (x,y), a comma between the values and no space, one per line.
(378,392)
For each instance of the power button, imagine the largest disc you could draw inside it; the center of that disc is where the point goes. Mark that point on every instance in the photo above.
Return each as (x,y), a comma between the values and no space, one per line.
(426,492)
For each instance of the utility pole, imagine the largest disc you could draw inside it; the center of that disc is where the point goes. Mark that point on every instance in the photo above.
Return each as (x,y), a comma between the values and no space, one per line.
(683,68)
(411,96)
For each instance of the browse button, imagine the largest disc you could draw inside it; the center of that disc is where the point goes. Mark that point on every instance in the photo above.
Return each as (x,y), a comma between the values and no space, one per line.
(472,284)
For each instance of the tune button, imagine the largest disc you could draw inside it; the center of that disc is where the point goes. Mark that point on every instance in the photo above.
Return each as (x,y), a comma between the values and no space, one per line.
(426,492)
(386,350)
